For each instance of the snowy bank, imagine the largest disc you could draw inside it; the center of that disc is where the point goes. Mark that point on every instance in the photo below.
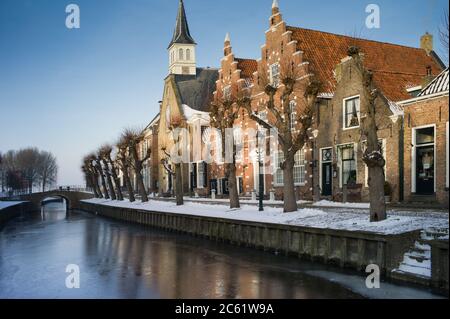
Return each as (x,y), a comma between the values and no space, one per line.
(4,205)
(327,203)
(307,217)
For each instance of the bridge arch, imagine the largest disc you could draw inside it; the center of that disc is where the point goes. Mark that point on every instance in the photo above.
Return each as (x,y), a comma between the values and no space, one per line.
(72,198)
(65,198)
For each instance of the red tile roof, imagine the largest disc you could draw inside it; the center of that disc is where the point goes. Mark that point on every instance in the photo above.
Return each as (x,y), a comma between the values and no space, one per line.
(247,67)
(395,67)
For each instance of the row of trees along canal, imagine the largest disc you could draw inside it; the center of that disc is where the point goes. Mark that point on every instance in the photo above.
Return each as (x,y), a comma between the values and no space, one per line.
(100,167)
(25,169)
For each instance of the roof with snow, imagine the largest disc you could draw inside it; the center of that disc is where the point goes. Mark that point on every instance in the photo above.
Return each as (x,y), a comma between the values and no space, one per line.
(181,33)
(395,67)
(196,91)
(438,85)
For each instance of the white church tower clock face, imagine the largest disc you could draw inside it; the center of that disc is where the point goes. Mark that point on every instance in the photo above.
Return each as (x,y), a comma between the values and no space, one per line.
(181,49)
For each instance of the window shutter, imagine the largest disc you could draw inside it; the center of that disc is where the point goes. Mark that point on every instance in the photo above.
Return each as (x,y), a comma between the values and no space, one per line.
(205,174)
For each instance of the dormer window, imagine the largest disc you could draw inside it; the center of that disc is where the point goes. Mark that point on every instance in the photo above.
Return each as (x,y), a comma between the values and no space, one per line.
(275,75)
(351,112)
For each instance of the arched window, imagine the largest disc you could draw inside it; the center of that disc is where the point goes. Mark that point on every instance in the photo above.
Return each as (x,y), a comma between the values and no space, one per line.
(172,56)
(188,54)
(180,54)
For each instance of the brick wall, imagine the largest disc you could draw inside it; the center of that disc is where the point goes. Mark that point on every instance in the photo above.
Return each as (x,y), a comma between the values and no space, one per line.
(433,111)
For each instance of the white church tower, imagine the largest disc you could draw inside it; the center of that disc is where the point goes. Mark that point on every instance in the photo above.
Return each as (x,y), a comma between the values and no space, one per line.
(182,47)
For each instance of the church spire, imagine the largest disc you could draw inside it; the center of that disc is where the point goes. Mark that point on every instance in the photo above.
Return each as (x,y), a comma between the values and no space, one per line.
(181,33)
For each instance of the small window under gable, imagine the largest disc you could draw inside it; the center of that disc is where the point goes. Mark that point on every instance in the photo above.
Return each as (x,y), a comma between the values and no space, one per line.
(351,112)
(275,75)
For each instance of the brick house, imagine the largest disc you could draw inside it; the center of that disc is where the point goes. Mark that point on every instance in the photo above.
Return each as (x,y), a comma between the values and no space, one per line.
(426,138)
(339,146)
(233,72)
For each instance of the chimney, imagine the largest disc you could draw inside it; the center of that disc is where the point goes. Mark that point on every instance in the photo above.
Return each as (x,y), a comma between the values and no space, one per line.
(426,43)
(227,45)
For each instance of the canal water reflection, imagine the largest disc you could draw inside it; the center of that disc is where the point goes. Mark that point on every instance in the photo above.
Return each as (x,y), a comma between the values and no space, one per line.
(119,260)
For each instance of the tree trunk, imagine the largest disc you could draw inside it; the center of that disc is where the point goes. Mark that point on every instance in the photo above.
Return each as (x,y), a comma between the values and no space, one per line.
(95,184)
(126,178)
(290,200)
(94,188)
(100,171)
(109,180)
(376,194)
(138,172)
(179,185)
(374,160)
(116,180)
(232,185)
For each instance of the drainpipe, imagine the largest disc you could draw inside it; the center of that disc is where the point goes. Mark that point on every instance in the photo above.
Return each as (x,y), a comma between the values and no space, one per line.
(401,164)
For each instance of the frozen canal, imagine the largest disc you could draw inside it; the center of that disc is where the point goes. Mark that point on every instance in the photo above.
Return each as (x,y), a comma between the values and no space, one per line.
(118,260)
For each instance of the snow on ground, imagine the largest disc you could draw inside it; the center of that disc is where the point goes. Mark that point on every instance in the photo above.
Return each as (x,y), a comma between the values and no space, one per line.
(246,201)
(308,217)
(327,203)
(8,204)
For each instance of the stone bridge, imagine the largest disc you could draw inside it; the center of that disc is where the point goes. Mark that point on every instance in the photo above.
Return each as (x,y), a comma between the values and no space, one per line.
(72,198)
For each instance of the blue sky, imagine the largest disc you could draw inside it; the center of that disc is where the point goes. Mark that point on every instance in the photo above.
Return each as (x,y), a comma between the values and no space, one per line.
(68,91)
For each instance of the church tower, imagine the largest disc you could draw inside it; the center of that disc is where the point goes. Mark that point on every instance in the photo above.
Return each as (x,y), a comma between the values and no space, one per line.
(182,47)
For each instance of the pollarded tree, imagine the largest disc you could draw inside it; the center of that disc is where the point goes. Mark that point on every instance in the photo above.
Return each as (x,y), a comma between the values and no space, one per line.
(133,137)
(175,124)
(106,172)
(123,162)
(105,153)
(293,121)
(108,162)
(98,167)
(373,154)
(223,112)
(92,174)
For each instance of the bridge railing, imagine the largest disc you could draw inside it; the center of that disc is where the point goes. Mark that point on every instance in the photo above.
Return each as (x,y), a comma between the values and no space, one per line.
(70,188)
(73,188)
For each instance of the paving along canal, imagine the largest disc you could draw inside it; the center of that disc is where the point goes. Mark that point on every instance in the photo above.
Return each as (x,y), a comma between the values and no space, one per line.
(120,260)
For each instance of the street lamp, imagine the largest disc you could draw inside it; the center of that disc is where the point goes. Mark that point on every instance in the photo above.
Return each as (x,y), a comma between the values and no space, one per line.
(261,175)
(315,178)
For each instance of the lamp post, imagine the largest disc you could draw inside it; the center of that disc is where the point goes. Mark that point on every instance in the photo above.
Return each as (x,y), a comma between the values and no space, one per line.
(316,188)
(261,175)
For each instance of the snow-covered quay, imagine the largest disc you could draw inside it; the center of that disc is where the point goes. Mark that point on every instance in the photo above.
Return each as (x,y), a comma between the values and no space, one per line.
(315,217)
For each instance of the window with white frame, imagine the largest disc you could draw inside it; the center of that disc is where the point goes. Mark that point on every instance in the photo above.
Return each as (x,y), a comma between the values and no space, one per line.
(352,112)
(347,159)
(299,167)
(275,75)
(227,92)
(278,172)
(200,174)
(293,114)
(239,142)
